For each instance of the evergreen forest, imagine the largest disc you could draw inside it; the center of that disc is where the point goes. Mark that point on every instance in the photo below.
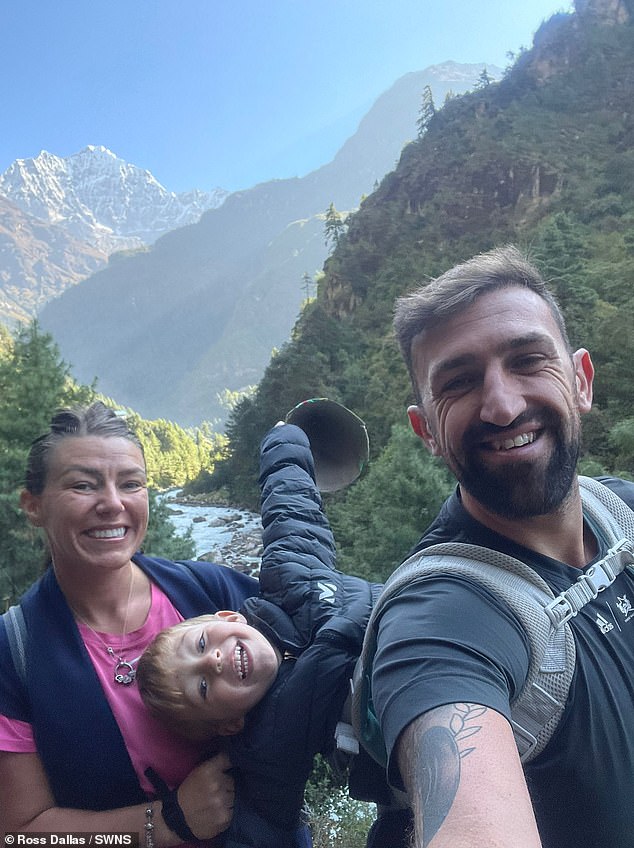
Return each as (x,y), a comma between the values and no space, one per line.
(543,159)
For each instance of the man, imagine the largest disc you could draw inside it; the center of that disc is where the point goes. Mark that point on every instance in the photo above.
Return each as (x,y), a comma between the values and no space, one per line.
(499,397)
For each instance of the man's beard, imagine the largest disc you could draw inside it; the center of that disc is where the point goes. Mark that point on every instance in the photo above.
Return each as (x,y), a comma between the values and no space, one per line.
(524,489)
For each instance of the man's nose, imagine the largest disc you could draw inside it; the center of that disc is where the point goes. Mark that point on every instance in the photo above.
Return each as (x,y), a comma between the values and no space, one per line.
(502,398)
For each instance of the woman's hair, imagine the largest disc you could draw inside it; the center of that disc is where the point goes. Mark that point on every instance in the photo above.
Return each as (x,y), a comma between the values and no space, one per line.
(160,688)
(456,289)
(94,420)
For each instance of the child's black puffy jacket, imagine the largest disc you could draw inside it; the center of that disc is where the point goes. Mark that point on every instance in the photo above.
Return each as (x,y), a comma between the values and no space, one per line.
(317,617)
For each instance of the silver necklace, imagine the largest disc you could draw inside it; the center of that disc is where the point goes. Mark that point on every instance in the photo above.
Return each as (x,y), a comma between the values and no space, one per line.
(124,670)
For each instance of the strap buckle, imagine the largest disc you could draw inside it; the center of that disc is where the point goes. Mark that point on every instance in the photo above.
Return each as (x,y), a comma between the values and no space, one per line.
(588,585)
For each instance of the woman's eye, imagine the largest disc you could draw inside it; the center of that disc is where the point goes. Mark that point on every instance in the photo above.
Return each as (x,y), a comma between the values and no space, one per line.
(202,688)
(133,486)
(82,486)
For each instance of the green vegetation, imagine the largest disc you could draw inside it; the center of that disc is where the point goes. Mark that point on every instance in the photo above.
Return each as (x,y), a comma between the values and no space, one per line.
(336,820)
(543,159)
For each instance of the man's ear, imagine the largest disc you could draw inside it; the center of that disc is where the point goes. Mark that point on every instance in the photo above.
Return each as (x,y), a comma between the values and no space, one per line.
(229,727)
(30,505)
(584,376)
(419,425)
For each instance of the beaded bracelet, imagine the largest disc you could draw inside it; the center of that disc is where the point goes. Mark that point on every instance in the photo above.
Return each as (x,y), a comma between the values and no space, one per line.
(171,810)
(149,826)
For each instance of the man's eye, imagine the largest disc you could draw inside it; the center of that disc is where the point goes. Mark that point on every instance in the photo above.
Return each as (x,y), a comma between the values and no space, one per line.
(530,362)
(202,688)
(458,384)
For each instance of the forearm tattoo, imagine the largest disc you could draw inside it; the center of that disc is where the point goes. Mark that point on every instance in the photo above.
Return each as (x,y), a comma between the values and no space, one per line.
(433,762)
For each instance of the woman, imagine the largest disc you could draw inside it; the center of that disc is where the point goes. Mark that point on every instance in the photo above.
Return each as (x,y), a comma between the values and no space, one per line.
(78,750)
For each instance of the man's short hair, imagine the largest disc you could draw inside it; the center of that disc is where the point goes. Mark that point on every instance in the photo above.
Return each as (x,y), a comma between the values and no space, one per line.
(456,289)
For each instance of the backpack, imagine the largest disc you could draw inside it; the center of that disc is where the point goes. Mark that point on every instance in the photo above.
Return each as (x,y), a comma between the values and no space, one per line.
(536,711)
(17,635)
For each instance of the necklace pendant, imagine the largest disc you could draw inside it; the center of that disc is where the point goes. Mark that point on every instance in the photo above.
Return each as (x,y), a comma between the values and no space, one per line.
(124,673)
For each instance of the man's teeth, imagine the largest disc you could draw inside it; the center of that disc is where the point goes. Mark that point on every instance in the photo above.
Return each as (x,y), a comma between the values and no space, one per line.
(517,442)
(116,533)
(241,661)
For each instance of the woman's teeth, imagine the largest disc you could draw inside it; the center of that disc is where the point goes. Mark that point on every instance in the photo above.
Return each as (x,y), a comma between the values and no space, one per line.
(108,534)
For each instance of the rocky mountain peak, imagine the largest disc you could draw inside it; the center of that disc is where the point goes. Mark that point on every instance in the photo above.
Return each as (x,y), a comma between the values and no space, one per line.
(101,198)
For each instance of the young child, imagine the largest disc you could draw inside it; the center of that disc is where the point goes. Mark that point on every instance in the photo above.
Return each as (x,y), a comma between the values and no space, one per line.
(277,673)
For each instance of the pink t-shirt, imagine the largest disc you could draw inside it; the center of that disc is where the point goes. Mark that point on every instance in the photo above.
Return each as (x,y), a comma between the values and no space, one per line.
(149,743)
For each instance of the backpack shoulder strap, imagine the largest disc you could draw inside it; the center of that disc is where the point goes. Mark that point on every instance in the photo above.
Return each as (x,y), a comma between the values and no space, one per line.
(607,509)
(539,705)
(15,626)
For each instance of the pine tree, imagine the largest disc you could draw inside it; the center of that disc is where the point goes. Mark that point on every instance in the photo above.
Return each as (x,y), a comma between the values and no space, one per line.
(427,111)
(334,228)
(307,285)
(484,80)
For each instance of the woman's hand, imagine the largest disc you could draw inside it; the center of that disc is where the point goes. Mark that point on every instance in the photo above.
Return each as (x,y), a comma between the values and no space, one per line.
(27,804)
(206,797)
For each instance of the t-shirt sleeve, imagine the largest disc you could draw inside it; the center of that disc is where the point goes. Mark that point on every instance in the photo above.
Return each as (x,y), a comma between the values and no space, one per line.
(16,736)
(446,641)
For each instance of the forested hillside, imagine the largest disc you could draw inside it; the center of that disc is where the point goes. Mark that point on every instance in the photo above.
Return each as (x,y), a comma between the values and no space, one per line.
(543,159)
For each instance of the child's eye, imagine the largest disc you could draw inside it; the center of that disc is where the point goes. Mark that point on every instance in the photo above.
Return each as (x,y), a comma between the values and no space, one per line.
(201,644)
(202,688)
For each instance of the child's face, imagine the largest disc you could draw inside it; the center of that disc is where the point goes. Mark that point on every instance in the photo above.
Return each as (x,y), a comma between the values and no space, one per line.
(224,667)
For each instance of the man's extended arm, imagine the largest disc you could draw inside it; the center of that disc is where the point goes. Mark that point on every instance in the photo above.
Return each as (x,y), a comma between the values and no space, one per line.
(465,782)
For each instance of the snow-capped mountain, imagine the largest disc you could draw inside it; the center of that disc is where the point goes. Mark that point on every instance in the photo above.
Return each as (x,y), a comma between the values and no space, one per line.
(61,218)
(100,198)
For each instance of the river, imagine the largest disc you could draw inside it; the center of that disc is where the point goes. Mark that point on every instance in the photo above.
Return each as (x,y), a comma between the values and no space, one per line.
(221,534)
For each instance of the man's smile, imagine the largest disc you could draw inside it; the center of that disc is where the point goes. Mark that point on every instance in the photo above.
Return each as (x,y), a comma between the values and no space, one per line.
(513,442)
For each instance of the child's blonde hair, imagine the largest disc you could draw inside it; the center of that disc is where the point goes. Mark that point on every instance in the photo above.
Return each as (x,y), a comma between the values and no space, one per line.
(159,687)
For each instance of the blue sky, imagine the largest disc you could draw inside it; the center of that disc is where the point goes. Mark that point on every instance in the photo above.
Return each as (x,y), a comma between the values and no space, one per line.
(227,93)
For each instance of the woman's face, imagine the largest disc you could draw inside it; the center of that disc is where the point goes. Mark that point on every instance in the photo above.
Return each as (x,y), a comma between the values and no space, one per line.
(94,506)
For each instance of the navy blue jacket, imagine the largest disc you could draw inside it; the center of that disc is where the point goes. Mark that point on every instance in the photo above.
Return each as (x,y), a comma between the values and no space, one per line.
(86,760)
(317,618)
